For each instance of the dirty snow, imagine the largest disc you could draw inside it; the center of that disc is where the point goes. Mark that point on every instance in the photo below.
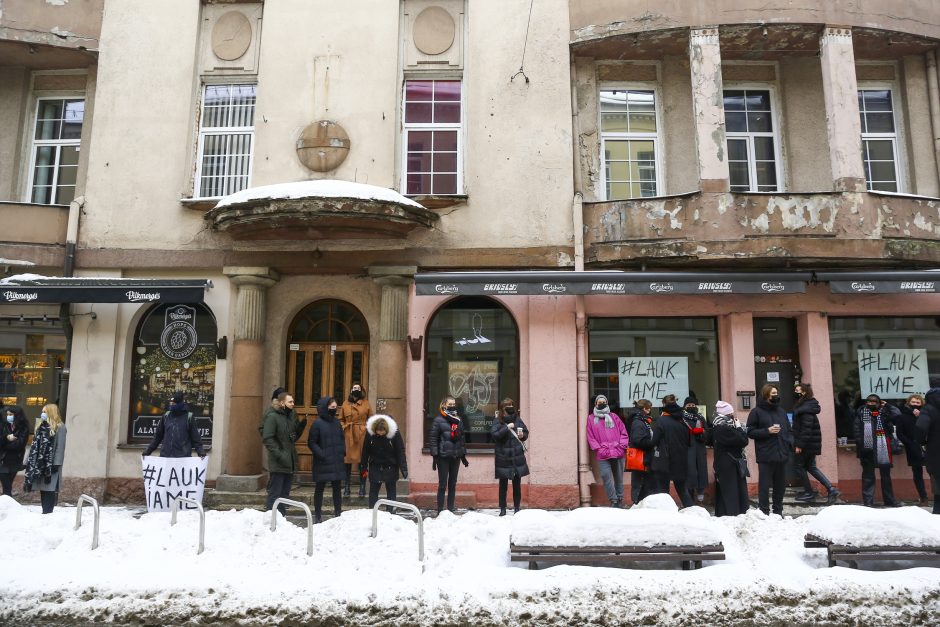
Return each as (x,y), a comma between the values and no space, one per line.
(322,188)
(855,525)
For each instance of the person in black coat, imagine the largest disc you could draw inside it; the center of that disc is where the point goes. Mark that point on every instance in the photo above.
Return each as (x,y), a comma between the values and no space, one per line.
(671,455)
(508,433)
(928,433)
(873,427)
(176,433)
(326,442)
(14,430)
(642,436)
(697,479)
(906,428)
(383,457)
(768,426)
(729,440)
(807,444)
(448,451)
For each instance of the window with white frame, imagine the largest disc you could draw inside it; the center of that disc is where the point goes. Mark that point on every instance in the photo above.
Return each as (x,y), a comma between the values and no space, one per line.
(432,141)
(226,140)
(629,142)
(879,139)
(752,140)
(56,144)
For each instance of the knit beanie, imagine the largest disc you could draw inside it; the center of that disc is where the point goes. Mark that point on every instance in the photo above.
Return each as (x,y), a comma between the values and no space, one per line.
(723,408)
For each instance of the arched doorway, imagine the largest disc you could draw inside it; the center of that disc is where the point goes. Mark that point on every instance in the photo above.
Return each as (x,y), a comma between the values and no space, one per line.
(328,349)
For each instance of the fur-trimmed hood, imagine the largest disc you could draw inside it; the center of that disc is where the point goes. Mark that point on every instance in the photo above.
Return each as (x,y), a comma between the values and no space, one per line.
(392,426)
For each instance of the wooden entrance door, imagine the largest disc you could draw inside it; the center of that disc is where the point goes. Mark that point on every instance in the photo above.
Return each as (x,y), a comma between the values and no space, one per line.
(315,370)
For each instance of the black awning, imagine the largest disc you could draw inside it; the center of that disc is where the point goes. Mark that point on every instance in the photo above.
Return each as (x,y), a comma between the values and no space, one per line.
(101,290)
(551,283)
(884,282)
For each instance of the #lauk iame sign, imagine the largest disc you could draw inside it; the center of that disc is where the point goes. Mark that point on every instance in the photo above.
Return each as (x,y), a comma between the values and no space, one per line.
(166,478)
(893,372)
(652,378)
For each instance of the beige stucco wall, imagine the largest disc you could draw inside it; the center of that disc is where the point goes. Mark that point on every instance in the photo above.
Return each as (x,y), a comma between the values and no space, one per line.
(64,23)
(803,128)
(921,161)
(12,112)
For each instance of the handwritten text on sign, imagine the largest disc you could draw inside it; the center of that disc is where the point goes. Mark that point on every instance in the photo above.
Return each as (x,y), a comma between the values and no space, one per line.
(893,372)
(652,378)
(167,477)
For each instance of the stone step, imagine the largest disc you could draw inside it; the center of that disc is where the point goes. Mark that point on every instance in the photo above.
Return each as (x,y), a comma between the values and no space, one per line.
(428,500)
(226,500)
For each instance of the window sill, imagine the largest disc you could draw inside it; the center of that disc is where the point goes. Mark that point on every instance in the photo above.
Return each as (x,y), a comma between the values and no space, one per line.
(199,204)
(489,450)
(440,202)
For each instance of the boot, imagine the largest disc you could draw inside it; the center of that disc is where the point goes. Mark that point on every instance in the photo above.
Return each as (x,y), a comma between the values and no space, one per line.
(346,489)
(936,504)
(362,489)
(502,511)
(833,496)
(317,519)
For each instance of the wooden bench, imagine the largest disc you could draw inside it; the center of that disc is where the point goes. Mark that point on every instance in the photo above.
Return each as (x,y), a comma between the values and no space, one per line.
(853,554)
(691,557)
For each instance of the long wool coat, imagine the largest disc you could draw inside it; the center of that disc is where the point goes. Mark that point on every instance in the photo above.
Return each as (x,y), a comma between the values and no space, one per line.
(353,417)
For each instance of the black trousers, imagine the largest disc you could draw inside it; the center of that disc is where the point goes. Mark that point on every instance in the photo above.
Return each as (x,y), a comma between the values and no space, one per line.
(868,482)
(806,466)
(642,484)
(279,484)
(771,475)
(6,480)
(374,487)
(48,499)
(918,474)
(662,481)
(516,492)
(318,489)
(447,469)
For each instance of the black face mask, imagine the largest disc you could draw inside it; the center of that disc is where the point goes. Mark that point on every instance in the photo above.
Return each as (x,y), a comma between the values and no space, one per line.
(331,411)
(356,393)
(509,410)
(602,405)
(774,400)
(692,409)
(451,410)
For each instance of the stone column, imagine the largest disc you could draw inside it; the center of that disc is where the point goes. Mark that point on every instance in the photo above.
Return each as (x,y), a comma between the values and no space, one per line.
(242,462)
(840,91)
(736,342)
(708,109)
(393,350)
(813,333)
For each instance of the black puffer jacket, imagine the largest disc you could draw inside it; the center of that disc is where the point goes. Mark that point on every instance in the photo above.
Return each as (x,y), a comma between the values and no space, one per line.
(928,432)
(671,455)
(770,448)
(906,426)
(446,437)
(176,434)
(806,432)
(327,444)
(11,451)
(510,456)
(383,455)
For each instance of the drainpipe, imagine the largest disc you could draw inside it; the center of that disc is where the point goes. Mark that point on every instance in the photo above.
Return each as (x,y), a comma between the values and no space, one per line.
(934,98)
(585,475)
(71,237)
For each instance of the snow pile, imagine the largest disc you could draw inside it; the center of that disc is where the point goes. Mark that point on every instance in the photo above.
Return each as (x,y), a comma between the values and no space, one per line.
(854,525)
(16,279)
(318,189)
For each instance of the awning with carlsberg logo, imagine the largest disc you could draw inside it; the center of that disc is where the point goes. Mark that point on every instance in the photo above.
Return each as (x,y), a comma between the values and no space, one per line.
(14,290)
(885,282)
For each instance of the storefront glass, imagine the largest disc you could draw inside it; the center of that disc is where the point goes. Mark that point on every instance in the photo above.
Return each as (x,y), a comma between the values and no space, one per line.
(30,366)
(635,358)
(472,355)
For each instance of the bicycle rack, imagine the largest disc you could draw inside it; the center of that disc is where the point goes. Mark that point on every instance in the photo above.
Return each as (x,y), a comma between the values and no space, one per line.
(302,506)
(400,505)
(84,498)
(202,518)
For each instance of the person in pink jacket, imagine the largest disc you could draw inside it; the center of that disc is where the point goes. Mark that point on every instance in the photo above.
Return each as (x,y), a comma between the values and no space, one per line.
(607,437)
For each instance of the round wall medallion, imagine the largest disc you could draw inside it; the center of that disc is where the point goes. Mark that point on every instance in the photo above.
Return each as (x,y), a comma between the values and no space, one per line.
(323,146)
(231,36)
(434,30)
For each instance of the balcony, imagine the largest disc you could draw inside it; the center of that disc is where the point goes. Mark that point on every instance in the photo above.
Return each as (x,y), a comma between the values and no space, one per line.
(33,233)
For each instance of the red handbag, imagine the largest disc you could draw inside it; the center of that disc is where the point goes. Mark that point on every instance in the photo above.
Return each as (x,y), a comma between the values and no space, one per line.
(636,459)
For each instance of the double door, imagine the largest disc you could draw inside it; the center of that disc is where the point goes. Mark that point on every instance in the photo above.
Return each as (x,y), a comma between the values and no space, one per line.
(315,370)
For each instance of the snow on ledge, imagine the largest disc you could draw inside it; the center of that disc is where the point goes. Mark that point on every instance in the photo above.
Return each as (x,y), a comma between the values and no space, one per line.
(854,525)
(17,279)
(322,188)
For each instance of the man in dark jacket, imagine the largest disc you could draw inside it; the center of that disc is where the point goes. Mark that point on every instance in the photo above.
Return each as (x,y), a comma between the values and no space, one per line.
(671,455)
(807,444)
(928,433)
(768,426)
(328,445)
(697,480)
(176,433)
(279,430)
(905,426)
(874,424)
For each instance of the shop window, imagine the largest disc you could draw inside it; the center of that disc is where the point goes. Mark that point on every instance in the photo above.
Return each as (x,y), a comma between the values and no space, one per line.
(472,355)
(226,140)
(432,137)
(888,356)
(636,358)
(629,143)
(30,367)
(56,144)
(174,349)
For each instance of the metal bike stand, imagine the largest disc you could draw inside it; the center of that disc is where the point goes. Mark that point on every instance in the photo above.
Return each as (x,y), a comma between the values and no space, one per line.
(202,517)
(302,506)
(400,505)
(84,498)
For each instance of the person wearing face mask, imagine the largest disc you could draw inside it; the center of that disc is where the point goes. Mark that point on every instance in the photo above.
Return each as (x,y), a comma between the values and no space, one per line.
(697,478)
(46,456)
(640,432)
(768,426)
(729,439)
(176,433)
(874,426)
(383,457)
(928,435)
(508,433)
(448,451)
(353,415)
(279,430)
(607,437)
(807,444)
(906,428)
(13,433)
(670,462)
(326,442)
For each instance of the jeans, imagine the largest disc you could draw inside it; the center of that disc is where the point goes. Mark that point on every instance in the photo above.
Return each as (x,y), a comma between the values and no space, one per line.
(447,470)
(318,489)
(390,491)
(868,482)
(516,492)
(612,476)
(771,476)
(806,466)
(279,484)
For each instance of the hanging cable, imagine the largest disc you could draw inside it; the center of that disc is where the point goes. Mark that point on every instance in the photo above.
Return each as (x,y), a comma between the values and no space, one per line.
(524,44)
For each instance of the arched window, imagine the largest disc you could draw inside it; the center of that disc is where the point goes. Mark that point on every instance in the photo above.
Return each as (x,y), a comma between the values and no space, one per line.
(174,349)
(329,321)
(472,355)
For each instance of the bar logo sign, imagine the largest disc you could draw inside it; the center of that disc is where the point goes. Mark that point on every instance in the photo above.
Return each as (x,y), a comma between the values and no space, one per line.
(554,288)
(773,287)
(446,289)
(917,286)
(863,286)
(713,288)
(662,288)
(609,288)
(179,339)
(501,288)
(13,297)
(142,297)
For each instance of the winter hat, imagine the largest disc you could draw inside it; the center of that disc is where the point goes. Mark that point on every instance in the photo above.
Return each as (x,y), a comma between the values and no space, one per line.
(608,420)
(177,397)
(599,397)
(689,399)
(723,408)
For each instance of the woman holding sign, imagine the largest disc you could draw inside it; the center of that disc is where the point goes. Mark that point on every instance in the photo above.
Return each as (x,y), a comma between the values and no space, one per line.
(508,433)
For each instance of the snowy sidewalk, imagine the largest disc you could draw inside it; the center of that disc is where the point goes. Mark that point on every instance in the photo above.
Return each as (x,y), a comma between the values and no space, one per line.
(147,572)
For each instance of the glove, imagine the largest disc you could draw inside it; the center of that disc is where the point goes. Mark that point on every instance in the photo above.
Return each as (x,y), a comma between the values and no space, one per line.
(143,454)
(201,455)
(56,468)
(404,474)
(433,463)
(364,474)
(463,460)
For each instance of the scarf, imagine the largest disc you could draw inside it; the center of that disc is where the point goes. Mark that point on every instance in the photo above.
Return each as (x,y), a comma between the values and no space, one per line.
(874,437)
(608,421)
(39,463)
(724,420)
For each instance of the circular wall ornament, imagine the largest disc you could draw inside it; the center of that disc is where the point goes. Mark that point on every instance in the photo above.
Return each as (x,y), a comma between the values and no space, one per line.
(323,146)
(434,30)
(231,36)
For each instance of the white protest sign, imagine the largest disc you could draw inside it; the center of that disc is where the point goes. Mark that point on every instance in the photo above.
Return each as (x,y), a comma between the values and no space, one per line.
(652,378)
(168,477)
(893,372)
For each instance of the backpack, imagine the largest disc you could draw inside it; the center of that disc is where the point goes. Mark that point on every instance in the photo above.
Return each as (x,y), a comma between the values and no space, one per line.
(189,419)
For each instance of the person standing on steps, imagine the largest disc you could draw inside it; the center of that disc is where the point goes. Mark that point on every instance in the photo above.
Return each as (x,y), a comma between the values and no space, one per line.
(768,426)
(279,430)
(670,461)
(326,442)
(448,451)
(353,415)
(807,444)
(697,478)
(508,433)
(607,437)
(383,457)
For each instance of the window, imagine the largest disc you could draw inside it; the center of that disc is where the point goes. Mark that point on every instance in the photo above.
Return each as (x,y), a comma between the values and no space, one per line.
(629,140)
(879,139)
(432,137)
(752,142)
(226,139)
(56,143)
